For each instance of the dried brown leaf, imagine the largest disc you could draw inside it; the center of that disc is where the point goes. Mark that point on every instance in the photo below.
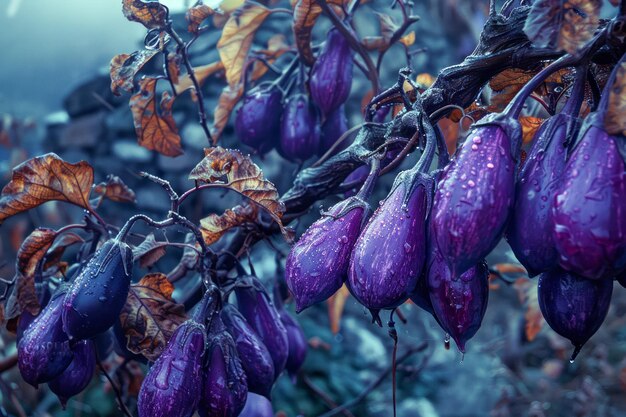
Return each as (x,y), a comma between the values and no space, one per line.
(408,39)
(336,304)
(151,14)
(214,226)
(225,105)
(562,24)
(527,294)
(173,67)
(530,125)
(202,73)
(149,251)
(54,254)
(240,174)
(124,67)
(115,190)
(237,36)
(150,316)
(196,15)
(305,13)
(45,178)
(155,131)
(615,120)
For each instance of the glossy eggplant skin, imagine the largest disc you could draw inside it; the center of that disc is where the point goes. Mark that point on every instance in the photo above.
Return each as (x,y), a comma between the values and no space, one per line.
(225,387)
(574,306)
(297,344)
(96,297)
(257,406)
(43,351)
(75,378)
(299,129)
(589,212)
(331,75)
(256,306)
(535,189)
(459,303)
(389,254)
(475,194)
(335,125)
(257,123)
(256,360)
(318,263)
(173,385)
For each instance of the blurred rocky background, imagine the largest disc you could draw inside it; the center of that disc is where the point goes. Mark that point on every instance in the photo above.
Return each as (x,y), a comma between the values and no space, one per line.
(55,97)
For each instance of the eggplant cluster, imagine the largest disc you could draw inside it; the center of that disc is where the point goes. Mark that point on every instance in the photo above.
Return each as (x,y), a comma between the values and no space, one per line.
(563,212)
(302,123)
(58,345)
(225,359)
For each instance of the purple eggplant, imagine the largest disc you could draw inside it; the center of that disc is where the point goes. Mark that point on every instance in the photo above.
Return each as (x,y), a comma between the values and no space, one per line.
(475,194)
(574,306)
(295,335)
(43,351)
(75,378)
(257,406)
(225,386)
(318,263)
(335,125)
(257,123)
(255,358)
(173,385)
(589,212)
(331,75)
(459,303)
(299,129)
(389,254)
(94,301)
(256,306)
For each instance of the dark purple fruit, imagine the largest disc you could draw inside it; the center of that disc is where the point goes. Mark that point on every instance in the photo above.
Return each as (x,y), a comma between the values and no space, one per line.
(589,212)
(257,123)
(318,263)
(459,303)
(299,129)
(225,387)
(389,254)
(256,306)
(574,306)
(475,194)
(75,378)
(536,187)
(335,125)
(257,406)
(256,360)
(96,297)
(297,341)
(173,385)
(331,75)
(43,351)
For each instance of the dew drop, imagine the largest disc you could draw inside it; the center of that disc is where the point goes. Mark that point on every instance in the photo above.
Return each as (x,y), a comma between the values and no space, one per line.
(490,165)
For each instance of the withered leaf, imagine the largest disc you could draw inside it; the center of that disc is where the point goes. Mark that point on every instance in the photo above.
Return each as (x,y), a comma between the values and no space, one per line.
(151,14)
(29,256)
(54,254)
(149,251)
(155,131)
(387,29)
(336,303)
(408,39)
(615,120)
(562,24)
(225,105)
(202,73)
(115,190)
(305,13)
(173,67)
(240,174)
(237,36)
(527,294)
(45,178)
(190,257)
(196,15)
(509,82)
(150,316)
(530,125)
(214,225)
(276,46)
(124,67)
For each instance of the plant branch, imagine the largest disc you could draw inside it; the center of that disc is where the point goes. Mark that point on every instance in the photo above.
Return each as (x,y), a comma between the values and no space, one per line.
(419,348)
(118,394)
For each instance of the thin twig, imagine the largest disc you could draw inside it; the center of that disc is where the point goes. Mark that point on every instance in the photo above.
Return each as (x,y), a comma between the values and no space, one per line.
(371,387)
(118,394)
(318,391)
